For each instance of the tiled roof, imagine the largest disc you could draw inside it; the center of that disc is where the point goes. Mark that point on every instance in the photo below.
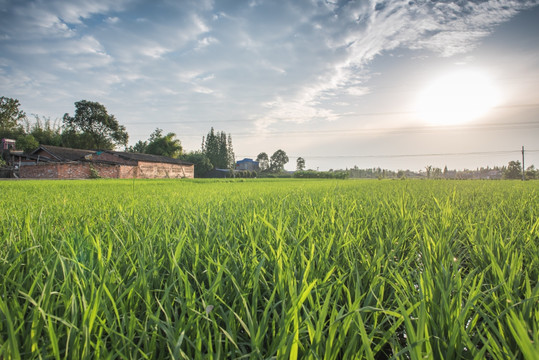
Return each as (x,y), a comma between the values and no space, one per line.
(68,154)
(64,154)
(148,158)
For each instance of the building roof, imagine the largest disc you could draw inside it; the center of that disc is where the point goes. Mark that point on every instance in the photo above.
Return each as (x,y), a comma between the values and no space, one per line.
(63,154)
(68,154)
(247,160)
(148,158)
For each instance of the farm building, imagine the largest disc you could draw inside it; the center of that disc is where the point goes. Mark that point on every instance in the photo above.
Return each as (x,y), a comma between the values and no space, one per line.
(247,164)
(52,162)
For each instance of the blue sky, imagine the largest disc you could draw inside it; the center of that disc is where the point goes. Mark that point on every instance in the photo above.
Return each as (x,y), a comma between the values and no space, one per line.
(336,82)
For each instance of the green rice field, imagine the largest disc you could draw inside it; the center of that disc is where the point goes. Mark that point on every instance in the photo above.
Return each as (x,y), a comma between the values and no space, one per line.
(260,269)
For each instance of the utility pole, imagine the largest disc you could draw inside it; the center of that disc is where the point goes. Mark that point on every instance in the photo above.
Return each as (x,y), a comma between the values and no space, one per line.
(523,167)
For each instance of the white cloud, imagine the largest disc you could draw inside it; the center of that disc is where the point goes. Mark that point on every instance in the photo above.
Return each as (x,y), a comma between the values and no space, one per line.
(112,20)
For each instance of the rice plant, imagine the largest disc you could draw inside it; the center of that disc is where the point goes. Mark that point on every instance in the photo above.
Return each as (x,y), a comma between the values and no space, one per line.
(261,269)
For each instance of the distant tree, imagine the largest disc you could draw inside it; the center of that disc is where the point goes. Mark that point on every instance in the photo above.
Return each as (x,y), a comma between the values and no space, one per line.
(429,171)
(10,118)
(93,128)
(532,173)
(513,171)
(166,145)
(300,164)
(263,161)
(278,161)
(201,161)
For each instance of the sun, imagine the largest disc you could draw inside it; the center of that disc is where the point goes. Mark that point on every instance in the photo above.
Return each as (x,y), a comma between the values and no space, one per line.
(457,98)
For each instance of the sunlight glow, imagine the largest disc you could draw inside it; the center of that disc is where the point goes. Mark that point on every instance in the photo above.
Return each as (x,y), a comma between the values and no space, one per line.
(458,98)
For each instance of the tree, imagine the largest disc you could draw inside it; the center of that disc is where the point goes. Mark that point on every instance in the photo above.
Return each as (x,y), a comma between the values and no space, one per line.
(278,161)
(166,145)
(532,173)
(231,158)
(139,147)
(218,148)
(300,164)
(263,161)
(45,131)
(429,170)
(201,161)
(93,128)
(27,143)
(513,171)
(10,118)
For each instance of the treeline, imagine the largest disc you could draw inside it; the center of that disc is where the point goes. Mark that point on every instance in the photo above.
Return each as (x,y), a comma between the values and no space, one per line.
(92,127)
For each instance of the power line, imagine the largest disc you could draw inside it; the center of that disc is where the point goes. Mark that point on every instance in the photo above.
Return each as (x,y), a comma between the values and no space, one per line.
(472,153)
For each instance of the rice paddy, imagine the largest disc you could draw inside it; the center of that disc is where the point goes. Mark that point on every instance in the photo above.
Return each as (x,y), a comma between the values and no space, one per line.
(262,269)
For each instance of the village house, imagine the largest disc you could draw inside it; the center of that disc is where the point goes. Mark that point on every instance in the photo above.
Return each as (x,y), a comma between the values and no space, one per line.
(53,162)
(247,164)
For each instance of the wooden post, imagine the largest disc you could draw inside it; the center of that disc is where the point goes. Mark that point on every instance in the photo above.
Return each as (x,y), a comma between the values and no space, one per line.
(523,167)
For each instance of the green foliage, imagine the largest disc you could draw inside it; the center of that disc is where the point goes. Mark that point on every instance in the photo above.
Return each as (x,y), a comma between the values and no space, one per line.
(27,143)
(277,161)
(310,174)
(513,171)
(94,174)
(532,173)
(140,147)
(92,128)
(166,145)
(45,131)
(201,161)
(11,118)
(269,269)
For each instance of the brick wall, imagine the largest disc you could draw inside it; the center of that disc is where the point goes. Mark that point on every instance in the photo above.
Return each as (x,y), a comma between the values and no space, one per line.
(149,170)
(68,171)
(41,171)
(81,170)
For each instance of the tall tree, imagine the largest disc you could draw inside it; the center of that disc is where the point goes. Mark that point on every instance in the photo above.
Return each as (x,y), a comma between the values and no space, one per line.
(218,148)
(278,161)
(263,161)
(231,158)
(11,118)
(166,145)
(93,128)
(300,164)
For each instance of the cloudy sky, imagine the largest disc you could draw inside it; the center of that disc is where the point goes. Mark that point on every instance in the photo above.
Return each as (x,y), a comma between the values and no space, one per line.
(395,84)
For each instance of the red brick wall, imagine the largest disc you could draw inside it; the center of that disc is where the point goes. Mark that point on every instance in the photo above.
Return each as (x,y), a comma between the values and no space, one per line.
(68,171)
(42,171)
